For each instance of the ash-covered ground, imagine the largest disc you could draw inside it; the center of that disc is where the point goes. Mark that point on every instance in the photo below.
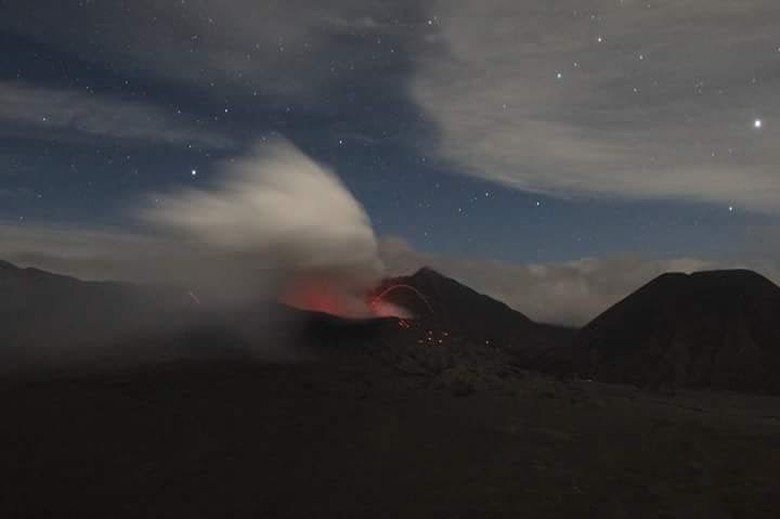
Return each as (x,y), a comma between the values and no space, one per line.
(413,431)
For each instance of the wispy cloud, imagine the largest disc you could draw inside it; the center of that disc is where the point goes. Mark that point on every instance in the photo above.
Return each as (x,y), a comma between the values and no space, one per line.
(52,110)
(617,99)
(289,51)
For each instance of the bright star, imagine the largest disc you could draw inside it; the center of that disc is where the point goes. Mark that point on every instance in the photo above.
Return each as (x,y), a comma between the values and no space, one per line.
(758,124)
(194,172)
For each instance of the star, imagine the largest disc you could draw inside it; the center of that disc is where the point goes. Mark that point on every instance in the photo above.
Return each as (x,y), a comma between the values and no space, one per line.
(194,172)
(758,124)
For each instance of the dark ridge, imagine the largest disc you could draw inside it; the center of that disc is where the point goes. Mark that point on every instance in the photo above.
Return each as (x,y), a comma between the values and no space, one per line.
(48,318)
(13,273)
(6,265)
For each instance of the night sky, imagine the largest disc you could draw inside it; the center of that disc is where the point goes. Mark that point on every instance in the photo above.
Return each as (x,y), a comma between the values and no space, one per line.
(541,136)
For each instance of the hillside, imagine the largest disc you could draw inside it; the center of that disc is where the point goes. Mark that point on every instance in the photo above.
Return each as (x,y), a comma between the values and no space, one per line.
(708,329)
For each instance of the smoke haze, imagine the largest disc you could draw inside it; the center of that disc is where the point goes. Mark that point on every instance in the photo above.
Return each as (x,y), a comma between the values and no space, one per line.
(274,226)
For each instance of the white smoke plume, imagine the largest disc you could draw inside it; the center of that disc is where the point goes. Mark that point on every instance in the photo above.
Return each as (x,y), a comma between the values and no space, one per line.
(276,221)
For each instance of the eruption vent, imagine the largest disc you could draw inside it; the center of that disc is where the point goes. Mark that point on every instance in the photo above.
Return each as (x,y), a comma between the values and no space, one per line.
(381,307)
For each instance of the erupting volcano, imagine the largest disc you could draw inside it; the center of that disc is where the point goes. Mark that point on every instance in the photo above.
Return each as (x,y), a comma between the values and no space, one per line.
(381,307)
(335,297)
(322,295)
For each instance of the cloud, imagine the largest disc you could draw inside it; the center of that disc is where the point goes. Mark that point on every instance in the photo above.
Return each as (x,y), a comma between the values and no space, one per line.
(621,99)
(276,224)
(289,51)
(570,293)
(282,214)
(31,107)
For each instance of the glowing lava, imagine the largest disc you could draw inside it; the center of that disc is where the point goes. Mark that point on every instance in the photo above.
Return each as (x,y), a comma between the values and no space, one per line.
(328,296)
(383,308)
(320,296)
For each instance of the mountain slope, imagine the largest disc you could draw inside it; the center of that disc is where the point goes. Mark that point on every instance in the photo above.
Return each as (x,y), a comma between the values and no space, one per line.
(442,303)
(47,318)
(717,329)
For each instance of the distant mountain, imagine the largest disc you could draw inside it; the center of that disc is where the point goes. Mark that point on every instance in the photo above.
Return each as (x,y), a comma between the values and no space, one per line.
(442,303)
(48,318)
(709,329)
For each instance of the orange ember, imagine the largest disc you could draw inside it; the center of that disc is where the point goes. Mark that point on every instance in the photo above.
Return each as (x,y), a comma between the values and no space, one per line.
(329,296)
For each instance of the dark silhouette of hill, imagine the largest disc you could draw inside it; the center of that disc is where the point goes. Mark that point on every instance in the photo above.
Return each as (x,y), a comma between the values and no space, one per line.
(34,301)
(708,329)
(442,303)
(50,319)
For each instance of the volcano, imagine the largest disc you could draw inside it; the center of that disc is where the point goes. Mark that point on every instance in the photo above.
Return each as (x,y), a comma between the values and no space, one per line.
(441,303)
(708,329)
(45,314)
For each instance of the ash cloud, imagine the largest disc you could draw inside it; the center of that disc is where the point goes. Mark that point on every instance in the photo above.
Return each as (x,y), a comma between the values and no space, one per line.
(277,220)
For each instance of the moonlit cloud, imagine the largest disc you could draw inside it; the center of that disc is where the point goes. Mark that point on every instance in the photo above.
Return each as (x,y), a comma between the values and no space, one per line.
(618,100)
(282,216)
(282,51)
(50,110)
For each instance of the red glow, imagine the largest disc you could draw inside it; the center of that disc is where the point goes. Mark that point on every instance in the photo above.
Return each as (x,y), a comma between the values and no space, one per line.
(318,297)
(328,296)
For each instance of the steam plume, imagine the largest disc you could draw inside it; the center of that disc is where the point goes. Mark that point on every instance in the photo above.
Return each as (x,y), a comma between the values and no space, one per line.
(279,223)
